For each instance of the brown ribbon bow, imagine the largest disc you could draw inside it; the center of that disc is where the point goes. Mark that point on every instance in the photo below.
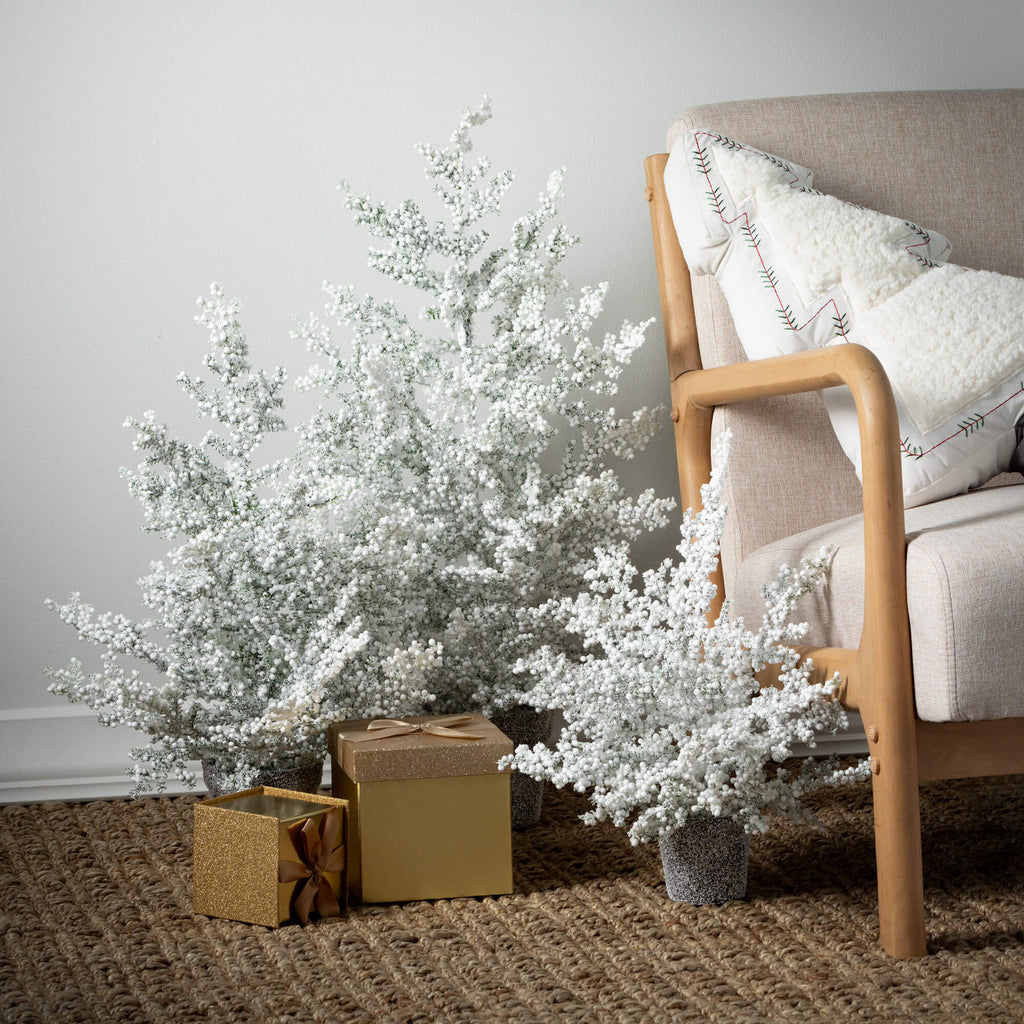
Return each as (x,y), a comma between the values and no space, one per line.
(316,847)
(382,728)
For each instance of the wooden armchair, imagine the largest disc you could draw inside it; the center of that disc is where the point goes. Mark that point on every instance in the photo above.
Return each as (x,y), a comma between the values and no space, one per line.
(867,148)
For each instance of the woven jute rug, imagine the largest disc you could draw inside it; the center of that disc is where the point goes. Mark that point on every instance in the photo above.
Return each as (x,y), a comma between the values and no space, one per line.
(96,925)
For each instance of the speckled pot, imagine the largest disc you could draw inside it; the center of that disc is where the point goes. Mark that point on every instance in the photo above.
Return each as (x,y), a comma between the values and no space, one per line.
(525,725)
(304,779)
(705,861)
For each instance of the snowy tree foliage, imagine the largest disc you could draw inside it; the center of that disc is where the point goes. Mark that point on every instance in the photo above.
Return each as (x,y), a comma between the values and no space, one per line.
(665,718)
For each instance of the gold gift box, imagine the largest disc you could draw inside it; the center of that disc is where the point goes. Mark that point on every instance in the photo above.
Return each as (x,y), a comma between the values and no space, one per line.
(429,815)
(245,841)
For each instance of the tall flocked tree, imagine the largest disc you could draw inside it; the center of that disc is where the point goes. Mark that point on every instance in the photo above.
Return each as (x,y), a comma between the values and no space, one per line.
(480,424)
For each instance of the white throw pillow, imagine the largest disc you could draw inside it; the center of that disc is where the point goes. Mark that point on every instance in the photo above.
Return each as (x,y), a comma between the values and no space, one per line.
(801,270)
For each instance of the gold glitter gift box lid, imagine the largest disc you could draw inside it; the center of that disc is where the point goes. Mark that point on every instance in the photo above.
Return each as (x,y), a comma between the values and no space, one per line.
(417,755)
(241,840)
(429,814)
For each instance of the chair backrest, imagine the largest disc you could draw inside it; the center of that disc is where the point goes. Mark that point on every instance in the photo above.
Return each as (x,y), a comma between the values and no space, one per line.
(949,161)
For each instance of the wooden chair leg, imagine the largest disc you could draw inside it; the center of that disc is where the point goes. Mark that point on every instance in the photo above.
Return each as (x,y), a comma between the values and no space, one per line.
(898,852)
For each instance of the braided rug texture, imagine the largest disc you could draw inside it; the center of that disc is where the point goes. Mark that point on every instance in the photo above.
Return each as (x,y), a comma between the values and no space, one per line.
(96,925)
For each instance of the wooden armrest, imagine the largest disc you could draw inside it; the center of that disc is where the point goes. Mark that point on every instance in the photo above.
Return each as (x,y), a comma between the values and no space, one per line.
(695,393)
(812,370)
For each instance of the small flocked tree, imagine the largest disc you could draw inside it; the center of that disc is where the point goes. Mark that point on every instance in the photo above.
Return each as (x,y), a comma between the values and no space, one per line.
(665,718)
(480,423)
(269,618)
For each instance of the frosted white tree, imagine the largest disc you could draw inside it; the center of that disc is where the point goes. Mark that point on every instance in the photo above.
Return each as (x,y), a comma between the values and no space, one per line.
(480,424)
(456,477)
(270,618)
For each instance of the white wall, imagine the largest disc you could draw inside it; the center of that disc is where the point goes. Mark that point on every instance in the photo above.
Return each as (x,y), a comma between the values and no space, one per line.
(150,148)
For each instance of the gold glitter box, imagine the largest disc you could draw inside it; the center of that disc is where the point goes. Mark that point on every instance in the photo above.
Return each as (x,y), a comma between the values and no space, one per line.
(267,855)
(429,811)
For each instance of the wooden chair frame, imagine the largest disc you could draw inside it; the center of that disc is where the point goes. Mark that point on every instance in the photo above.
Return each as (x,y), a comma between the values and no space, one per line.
(878,680)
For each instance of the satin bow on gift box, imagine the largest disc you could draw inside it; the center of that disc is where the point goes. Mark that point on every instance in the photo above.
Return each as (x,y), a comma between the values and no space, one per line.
(447,728)
(316,849)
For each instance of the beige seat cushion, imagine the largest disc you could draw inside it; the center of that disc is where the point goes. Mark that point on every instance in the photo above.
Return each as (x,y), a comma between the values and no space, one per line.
(965,562)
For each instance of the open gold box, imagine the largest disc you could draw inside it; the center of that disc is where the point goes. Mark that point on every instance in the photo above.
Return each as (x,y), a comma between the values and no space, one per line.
(252,861)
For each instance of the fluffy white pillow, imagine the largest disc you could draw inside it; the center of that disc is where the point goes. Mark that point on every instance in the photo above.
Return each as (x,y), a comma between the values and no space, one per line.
(801,269)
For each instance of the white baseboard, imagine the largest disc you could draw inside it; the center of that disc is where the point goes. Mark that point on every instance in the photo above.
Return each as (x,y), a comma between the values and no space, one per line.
(62,753)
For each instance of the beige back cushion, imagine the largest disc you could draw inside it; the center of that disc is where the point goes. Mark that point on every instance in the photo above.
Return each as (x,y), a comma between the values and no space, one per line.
(949,161)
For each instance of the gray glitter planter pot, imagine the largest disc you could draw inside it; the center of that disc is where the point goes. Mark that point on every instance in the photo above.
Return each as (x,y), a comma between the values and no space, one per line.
(304,779)
(525,725)
(705,861)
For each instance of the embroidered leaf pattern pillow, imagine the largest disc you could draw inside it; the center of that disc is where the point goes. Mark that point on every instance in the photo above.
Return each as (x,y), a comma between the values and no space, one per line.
(801,269)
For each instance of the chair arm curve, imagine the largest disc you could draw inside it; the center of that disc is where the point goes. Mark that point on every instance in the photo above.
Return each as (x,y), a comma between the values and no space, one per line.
(696,392)
(851,364)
